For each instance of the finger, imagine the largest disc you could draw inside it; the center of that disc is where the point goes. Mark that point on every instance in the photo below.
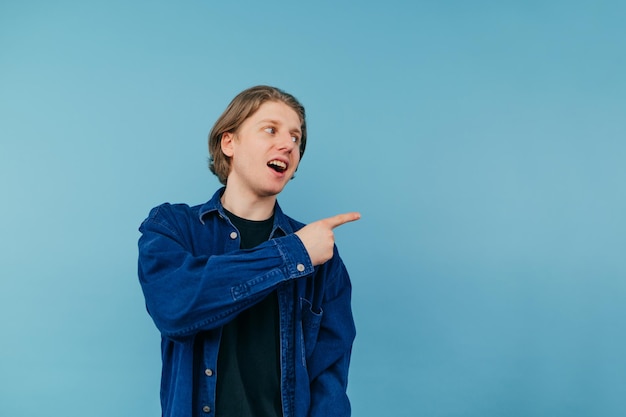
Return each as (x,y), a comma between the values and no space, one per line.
(340,219)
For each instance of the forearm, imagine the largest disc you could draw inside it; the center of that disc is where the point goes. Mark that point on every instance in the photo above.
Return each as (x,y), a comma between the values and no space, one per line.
(185,293)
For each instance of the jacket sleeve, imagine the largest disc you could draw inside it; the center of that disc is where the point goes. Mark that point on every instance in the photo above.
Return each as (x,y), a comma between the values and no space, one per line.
(186,294)
(329,362)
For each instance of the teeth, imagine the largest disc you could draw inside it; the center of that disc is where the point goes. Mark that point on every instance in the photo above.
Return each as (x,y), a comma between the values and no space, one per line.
(279,164)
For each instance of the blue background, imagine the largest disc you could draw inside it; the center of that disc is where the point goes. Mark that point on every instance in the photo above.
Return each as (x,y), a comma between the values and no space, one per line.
(483,142)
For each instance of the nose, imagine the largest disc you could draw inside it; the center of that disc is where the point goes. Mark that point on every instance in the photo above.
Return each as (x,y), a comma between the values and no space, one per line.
(286,142)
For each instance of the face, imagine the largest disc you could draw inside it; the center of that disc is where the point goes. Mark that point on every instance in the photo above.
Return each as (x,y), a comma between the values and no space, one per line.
(264,151)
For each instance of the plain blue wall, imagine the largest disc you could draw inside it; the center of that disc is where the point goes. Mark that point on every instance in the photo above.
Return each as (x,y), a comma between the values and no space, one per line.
(483,142)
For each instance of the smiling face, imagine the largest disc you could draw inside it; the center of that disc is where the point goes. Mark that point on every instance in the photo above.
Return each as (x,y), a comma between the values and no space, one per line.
(264,151)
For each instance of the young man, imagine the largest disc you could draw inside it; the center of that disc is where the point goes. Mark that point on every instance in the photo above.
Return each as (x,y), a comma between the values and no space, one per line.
(253,306)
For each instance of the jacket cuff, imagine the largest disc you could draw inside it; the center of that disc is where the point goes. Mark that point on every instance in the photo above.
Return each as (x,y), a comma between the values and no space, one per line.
(296,258)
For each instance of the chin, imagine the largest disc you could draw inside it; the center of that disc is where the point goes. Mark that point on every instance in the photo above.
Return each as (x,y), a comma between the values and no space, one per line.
(274,190)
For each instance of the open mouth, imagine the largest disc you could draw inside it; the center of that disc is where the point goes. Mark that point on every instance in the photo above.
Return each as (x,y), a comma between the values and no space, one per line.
(278,166)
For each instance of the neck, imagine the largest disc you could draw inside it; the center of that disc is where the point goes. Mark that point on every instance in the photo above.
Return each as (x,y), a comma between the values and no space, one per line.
(248,206)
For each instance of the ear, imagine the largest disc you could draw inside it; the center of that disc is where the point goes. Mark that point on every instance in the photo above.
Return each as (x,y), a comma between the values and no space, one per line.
(226,143)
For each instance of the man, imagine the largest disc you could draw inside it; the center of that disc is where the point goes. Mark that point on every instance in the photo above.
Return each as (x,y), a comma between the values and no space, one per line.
(253,307)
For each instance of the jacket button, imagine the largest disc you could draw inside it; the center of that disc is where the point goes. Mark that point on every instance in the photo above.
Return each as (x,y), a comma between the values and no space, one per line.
(300,267)
(206,409)
(233,235)
(208,372)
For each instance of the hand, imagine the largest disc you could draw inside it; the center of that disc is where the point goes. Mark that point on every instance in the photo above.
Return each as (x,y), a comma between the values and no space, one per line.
(318,237)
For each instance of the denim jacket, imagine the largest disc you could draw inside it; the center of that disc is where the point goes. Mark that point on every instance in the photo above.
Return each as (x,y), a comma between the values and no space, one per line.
(196,279)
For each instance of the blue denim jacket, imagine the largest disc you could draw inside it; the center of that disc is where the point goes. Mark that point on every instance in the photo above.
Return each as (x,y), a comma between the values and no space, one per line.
(195,279)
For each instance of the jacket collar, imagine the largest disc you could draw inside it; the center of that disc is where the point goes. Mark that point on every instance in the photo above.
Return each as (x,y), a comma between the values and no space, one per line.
(214,205)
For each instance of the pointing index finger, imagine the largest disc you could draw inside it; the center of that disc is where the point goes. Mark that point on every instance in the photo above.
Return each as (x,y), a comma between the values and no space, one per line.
(340,219)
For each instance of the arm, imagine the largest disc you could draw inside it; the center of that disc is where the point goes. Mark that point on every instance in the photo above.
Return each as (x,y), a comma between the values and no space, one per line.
(186,293)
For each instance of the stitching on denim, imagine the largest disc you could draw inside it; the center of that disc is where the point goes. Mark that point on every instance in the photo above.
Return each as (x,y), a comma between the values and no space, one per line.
(155,218)
(213,319)
(281,251)
(243,289)
(239,291)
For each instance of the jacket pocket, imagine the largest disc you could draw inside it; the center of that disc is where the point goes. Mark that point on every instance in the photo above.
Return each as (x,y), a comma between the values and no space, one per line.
(311,321)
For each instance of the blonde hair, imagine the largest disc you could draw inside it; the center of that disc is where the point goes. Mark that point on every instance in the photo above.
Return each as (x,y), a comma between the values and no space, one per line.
(244,105)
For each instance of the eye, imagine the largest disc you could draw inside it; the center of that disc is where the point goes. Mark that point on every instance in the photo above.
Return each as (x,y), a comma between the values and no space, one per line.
(295,139)
(270,130)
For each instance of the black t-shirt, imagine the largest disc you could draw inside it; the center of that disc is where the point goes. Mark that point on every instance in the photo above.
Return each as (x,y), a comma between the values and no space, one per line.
(248,364)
